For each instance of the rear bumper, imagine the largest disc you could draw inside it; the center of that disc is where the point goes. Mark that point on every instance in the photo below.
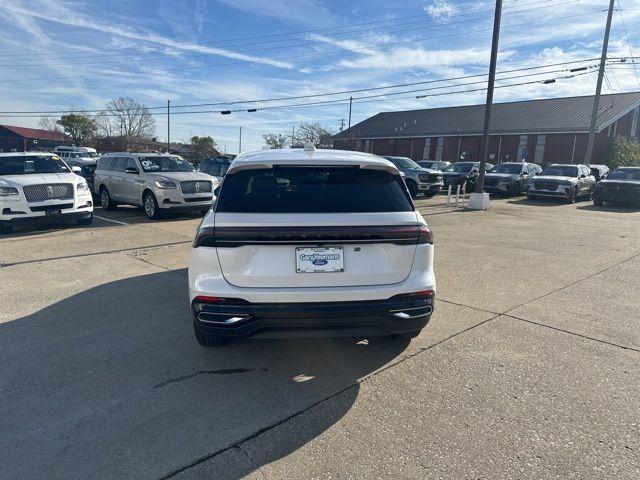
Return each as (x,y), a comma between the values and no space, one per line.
(331,319)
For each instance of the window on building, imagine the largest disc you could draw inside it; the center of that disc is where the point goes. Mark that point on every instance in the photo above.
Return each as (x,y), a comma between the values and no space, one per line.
(439,148)
(522,148)
(634,122)
(427,149)
(539,153)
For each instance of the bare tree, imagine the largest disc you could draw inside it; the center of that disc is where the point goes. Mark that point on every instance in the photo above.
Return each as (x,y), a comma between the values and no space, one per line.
(49,122)
(274,140)
(314,133)
(125,117)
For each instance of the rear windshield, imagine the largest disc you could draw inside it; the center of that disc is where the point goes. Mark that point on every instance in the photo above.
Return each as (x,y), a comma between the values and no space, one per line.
(313,190)
(561,171)
(624,175)
(32,164)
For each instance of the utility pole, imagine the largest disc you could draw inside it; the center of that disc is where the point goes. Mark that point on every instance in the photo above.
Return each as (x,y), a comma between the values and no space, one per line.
(168,126)
(596,99)
(350,103)
(240,142)
(484,146)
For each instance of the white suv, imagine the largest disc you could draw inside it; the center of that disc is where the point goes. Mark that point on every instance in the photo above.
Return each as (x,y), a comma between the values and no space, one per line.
(308,243)
(157,182)
(41,186)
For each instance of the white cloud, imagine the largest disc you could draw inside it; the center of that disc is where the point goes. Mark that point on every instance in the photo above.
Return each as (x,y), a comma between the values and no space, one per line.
(440,10)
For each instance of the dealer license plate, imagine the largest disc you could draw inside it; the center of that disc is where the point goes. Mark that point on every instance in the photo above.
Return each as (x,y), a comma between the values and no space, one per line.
(53,212)
(319,260)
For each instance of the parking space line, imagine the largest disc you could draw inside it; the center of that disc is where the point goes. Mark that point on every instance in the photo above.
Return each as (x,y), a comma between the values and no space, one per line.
(109,220)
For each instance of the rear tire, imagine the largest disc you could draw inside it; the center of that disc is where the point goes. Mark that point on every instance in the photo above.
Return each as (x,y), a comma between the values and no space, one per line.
(411,334)
(413,189)
(206,340)
(105,199)
(83,222)
(150,206)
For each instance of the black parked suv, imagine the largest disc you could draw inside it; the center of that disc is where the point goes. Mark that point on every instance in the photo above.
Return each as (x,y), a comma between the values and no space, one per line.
(621,186)
(461,172)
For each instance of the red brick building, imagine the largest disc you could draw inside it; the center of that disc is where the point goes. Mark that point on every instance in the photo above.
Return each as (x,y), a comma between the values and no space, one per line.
(23,139)
(541,131)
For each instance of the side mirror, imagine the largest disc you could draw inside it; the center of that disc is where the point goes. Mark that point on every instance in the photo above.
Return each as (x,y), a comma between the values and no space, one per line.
(76,169)
(216,191)
(131,170)
(583,176)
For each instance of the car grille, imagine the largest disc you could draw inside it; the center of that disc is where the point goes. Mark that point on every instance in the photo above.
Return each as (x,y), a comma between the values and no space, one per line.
(491,182)
(48,191)
(619,192)
(195,187)
(551,186)
(44,208)
(430,177)
(198,199)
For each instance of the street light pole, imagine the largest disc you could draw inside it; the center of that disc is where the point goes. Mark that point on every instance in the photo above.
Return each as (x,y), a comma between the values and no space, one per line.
(596,99)
(168,125)
(484,146)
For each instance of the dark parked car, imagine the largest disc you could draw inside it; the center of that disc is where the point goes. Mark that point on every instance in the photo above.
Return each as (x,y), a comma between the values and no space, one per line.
(216,166)
(434,164)
(87,168)
(418,179)
(461,172)
(621,186)
(570,182)
(599,171)
(510,178)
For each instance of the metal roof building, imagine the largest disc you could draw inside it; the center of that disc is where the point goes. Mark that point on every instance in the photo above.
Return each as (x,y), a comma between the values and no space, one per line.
(22,139)
(544,131)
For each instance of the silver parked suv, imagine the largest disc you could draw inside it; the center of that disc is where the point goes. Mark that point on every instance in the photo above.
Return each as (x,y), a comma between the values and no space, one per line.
(154,181)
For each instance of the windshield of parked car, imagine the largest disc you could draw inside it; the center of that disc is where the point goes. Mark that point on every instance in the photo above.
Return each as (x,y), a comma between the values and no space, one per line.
(314,189)
(624,174)
(560,171)
(460,167)
(511,168)
(426,164)
(32,164)
(403,163)
(165,164)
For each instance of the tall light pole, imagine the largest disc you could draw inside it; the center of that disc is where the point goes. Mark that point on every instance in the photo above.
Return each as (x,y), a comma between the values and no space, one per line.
(596,99)
(168,125)
(484,146)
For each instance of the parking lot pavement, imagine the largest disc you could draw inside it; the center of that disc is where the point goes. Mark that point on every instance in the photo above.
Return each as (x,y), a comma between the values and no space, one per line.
(529,367)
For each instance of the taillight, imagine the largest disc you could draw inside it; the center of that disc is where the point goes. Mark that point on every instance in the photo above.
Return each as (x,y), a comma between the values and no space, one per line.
(421,293)
(205,237)
(207,299)
(425,235)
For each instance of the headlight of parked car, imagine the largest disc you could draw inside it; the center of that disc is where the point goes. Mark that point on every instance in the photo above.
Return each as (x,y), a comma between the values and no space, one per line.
(82,187)
(8,191)
(164,184)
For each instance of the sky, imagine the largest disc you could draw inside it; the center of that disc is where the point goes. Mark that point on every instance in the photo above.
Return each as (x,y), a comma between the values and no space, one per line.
(61,54)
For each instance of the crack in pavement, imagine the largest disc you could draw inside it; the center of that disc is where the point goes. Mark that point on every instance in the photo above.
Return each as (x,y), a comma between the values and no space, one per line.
(220,371)
(93,254)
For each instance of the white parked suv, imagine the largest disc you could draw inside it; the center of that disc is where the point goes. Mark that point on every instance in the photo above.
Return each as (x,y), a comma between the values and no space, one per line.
(41,186)
(157,182)
(309,243)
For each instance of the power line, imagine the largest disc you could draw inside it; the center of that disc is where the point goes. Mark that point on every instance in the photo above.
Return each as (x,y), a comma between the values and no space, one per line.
(186,54)
(295,97)
(628,42)
(362,99)
(226,42)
